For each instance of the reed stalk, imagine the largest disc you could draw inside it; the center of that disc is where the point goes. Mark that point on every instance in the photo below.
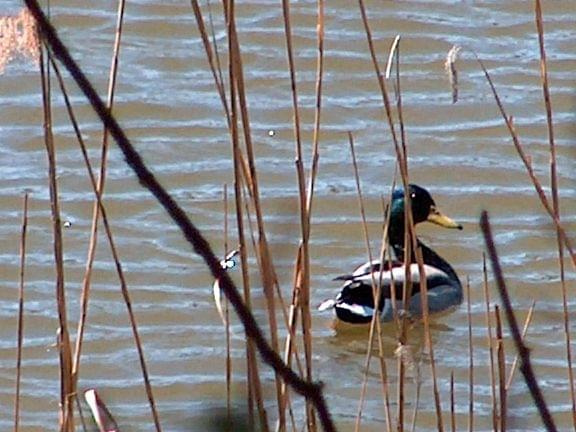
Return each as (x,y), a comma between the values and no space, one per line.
(470,359)
(20,324)
(92,245)
(67,388)
(490,343)
(428,335)
(212,56)
(555,200)
(375,325)
(501,362)
(115,258)
(267,273)
(254,386)
(227,315)
(293,313)
(190,232)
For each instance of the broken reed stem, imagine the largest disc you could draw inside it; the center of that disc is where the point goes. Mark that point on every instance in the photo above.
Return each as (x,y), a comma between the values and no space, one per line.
(115,256)
(67,388)
(523,351)
(470,359)
(501,369)
(190,232)
(490,341)
(20,330)
(375,325)
(555,200)
(524,332)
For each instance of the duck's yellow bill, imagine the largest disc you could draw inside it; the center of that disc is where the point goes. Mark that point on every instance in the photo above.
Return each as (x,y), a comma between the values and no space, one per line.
(436,217)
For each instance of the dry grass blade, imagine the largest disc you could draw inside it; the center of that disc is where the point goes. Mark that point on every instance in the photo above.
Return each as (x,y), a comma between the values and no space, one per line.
(20,331)
(451,71)
(523,351)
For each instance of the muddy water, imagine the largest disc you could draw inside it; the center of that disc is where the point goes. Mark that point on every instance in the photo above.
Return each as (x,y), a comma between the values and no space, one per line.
(167,104)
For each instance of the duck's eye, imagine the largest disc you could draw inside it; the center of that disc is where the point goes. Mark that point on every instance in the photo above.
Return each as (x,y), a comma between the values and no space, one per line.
(412,195)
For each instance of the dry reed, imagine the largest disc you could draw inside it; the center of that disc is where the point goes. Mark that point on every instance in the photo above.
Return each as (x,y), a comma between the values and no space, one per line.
(246,180)
(67,387)
(20,330)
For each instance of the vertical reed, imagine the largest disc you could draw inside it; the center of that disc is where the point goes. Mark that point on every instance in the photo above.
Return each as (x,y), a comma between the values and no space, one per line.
(490,343)
(501,361)
(86,282)
(375,326)
(20,330)
(555,201)
(67,388)
(227,314)
(115,257)
(470,359)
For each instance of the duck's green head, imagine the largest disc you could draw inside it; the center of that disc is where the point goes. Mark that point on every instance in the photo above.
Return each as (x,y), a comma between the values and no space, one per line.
(423,208)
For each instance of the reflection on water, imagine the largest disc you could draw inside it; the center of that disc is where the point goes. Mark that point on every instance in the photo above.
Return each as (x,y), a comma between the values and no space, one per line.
(167,102)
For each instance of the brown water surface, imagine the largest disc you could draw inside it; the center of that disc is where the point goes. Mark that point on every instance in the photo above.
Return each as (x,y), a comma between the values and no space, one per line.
(167,104)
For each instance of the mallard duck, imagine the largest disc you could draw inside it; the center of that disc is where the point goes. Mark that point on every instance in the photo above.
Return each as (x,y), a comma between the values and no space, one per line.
(355,302)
